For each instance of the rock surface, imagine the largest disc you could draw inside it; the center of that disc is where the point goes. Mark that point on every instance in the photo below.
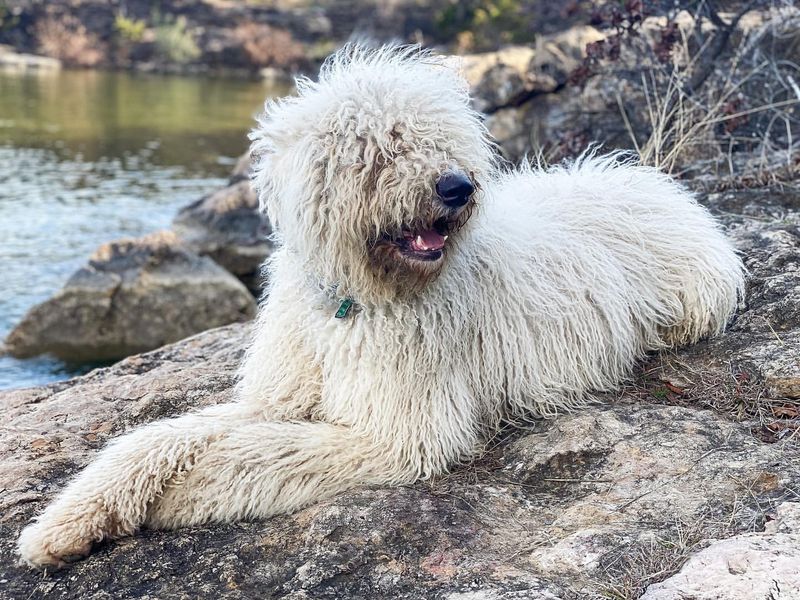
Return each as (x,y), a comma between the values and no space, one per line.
(743,566)
(228,227)
(242,169)
(514,75)
(17,61)
(530,104)
(497,78)
(133,296)
(608,84)
(597,504)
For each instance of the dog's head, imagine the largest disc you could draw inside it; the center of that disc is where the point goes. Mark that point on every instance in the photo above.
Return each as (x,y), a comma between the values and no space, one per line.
(371,173)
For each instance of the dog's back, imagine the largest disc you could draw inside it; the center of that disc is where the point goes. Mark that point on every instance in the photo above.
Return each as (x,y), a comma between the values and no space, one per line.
(578,271)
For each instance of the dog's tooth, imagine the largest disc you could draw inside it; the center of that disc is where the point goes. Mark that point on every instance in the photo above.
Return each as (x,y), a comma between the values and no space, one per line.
(445,237)
(419,241)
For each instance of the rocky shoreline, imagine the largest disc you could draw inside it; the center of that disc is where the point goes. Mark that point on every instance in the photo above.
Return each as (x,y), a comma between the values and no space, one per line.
(135,295)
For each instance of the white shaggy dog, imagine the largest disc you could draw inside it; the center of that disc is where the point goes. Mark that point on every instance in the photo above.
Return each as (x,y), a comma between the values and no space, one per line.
(398,332)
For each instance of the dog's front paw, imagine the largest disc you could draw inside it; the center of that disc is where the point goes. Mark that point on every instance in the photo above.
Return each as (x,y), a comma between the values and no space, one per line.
(50,542)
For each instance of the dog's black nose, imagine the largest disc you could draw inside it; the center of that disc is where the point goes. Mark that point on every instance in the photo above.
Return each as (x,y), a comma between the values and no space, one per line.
(454,188)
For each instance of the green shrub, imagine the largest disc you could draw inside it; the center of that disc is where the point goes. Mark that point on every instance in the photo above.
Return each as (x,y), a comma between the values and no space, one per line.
(174,42)
(129,30)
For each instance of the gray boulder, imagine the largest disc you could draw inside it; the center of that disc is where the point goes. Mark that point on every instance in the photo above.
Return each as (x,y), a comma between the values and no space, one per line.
(512,76)
(699,448)
(242,168)
(132,296)
(497,78)
(228,227)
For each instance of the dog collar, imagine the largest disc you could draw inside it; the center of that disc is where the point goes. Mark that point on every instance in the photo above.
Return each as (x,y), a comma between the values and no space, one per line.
(346,304)
(344,308)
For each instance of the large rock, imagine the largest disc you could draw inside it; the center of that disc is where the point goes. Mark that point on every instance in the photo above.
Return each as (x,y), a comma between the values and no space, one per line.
(532,108)
(512,76)
(558,55)
(497,78)
(743,566)
(228,227)
(601,503)
(242,169)
(626,93)
(133,296)
(563,122)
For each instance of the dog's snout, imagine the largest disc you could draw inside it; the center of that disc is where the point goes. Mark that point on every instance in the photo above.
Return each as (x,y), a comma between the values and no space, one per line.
(454,188)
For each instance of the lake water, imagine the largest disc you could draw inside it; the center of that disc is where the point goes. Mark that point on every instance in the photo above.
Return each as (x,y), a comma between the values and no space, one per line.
(88,157)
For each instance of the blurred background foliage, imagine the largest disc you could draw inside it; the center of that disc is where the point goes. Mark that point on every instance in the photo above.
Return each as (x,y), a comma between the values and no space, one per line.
(485,24)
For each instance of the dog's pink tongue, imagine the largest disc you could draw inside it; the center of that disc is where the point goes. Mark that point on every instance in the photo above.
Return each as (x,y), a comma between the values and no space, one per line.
(430,239)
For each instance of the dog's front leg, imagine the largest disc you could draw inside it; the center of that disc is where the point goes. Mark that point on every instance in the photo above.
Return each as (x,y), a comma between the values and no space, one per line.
(110,498)
(265,469)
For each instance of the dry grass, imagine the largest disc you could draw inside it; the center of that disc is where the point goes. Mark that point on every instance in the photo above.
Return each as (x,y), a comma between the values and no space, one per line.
(746,176)
(774,49)
(267,46)
(700,113)
(68,40)
(730,389)
(683,128)
(627,573)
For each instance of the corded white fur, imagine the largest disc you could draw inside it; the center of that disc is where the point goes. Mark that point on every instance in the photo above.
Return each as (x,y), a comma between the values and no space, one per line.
(561,280)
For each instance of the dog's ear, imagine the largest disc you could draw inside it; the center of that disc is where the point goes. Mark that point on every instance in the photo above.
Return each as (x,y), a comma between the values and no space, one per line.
(261,150)
(286,142)
(259,176)
(268,140)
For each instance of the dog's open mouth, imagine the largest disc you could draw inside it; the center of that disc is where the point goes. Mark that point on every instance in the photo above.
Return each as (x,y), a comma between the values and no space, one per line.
(424,244)
(421,244)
